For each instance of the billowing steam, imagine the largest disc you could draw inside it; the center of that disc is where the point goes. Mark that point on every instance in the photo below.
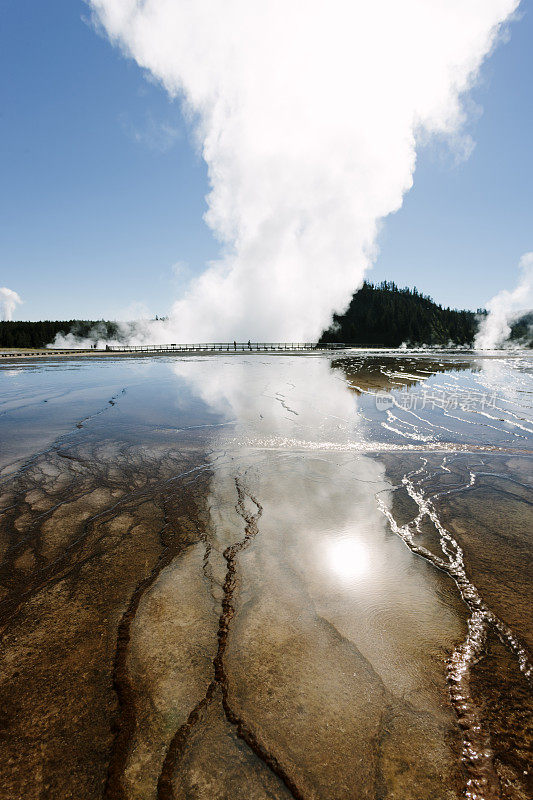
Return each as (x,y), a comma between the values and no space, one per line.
(9,300)
(308,115)
(506,307)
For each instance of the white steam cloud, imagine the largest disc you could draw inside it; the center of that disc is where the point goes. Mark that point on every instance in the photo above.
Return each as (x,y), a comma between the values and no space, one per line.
(308,114)
(506,307)
(9,300)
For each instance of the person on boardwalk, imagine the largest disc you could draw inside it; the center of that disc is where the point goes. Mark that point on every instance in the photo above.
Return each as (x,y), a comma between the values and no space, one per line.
(249,345)
(234,345)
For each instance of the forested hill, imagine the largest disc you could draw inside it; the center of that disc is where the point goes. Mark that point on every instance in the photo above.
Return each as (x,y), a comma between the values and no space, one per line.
(39,334)
(384,314)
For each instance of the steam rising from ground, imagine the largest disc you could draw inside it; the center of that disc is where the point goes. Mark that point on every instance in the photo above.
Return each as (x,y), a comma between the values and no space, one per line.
(9,300)
(506,307)
(308,115)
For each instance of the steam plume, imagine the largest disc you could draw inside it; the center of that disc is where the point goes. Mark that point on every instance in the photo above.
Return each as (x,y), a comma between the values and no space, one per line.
(308,114)
(506,307)
(9,300)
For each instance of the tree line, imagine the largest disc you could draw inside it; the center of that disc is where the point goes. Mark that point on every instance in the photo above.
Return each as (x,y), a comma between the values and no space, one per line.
(378,314)
(39,334)
(383,314)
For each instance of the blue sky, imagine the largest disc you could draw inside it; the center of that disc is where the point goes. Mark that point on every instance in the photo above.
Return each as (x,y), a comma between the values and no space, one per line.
(102,190)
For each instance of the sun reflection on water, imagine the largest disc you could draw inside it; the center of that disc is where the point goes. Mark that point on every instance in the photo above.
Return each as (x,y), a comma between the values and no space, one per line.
(349,558)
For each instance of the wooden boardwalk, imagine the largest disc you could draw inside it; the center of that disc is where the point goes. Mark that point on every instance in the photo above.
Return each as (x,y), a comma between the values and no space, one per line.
(155,349)
(226,347)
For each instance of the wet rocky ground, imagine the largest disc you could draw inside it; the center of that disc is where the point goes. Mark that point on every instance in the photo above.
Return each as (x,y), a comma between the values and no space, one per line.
(250,577)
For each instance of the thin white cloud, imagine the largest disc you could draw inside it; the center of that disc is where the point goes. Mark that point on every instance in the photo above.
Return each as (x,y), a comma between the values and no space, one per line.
(160,136)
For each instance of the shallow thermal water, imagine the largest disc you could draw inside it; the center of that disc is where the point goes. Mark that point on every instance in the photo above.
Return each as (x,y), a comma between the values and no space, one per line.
(267,577)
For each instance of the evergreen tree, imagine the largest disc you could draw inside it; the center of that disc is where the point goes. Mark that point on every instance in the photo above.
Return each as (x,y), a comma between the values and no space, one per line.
(383,314)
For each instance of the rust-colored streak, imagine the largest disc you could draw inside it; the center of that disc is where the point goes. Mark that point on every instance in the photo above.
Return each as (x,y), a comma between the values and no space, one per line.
(173,542)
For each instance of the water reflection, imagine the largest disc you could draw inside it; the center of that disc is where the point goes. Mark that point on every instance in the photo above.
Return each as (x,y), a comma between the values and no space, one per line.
(466,401)
(265,542)
(326,592)
(370,373)
(349,558)
(326,564)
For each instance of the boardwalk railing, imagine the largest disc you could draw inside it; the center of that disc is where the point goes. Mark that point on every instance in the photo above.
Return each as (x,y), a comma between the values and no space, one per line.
(223,347)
